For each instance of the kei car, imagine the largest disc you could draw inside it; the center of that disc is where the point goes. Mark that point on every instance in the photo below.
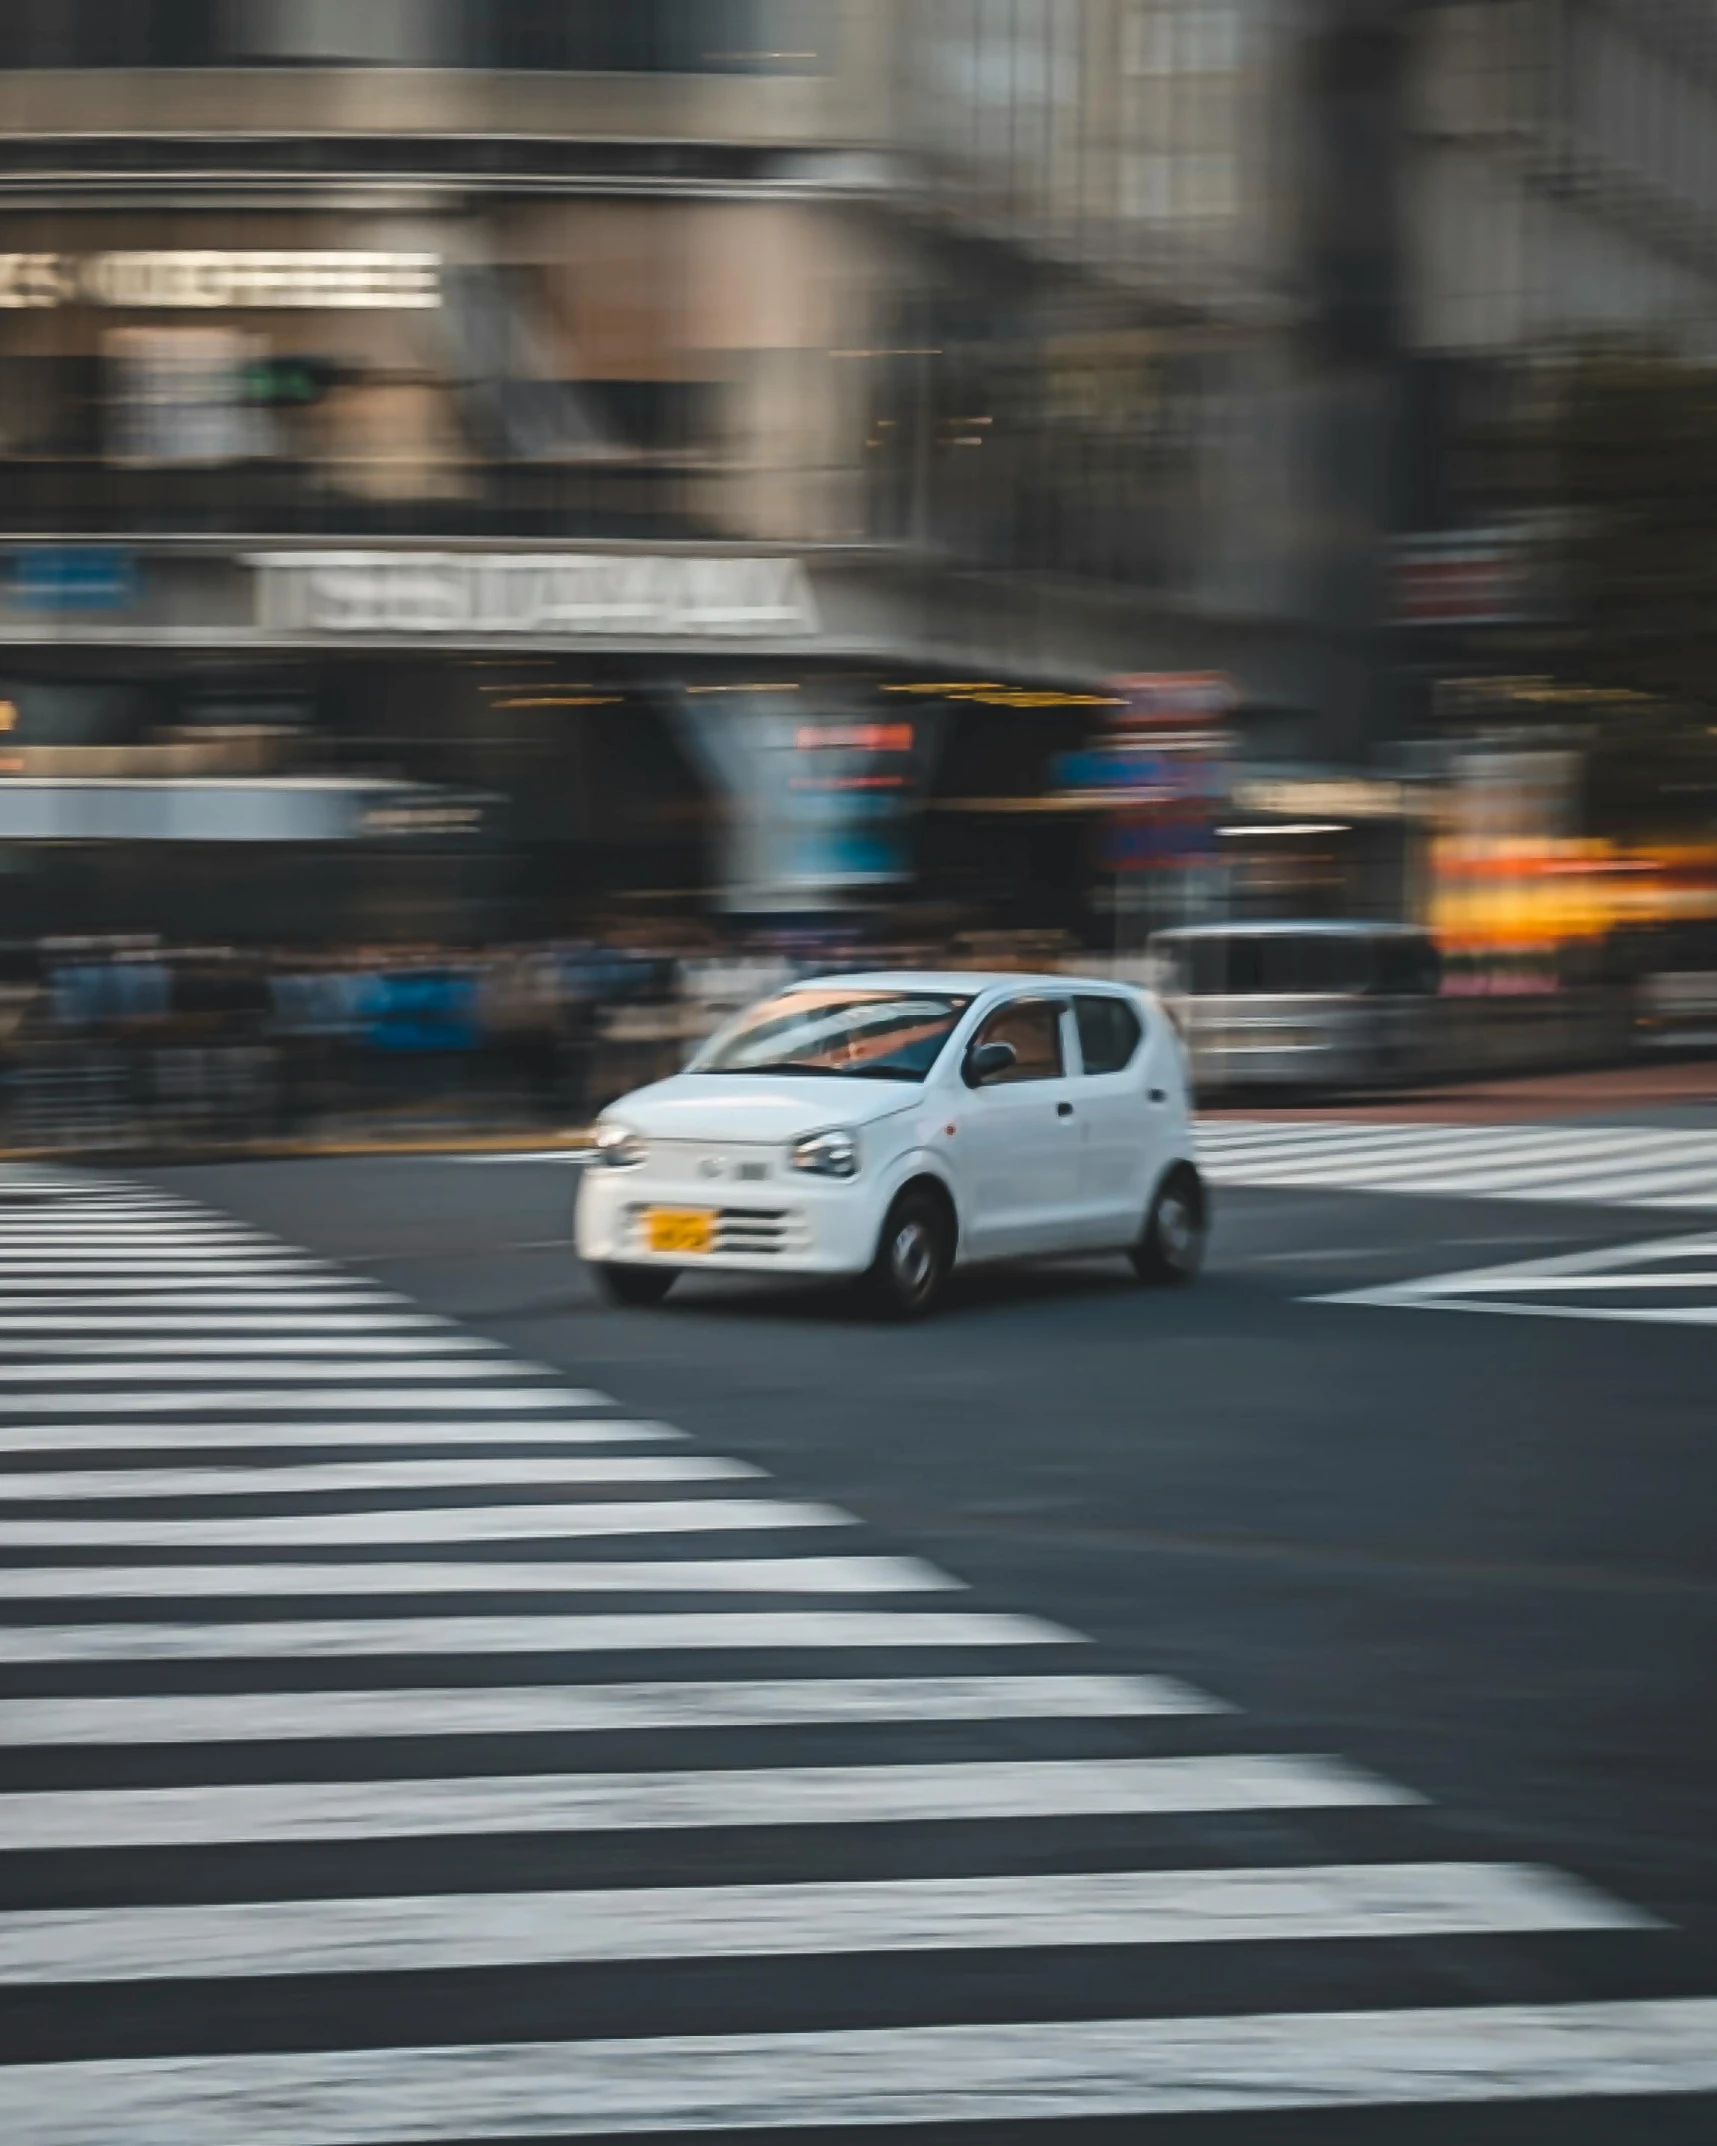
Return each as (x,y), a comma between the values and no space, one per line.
(896,1126)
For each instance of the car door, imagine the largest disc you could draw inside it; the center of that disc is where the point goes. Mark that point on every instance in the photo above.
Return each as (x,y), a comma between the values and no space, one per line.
(1019,1135)
(1121,1128)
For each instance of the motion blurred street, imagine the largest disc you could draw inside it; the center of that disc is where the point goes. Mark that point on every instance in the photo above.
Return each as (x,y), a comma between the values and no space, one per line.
(858,1072)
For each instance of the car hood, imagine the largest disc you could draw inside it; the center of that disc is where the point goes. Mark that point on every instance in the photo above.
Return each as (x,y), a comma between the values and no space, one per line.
(772,1107)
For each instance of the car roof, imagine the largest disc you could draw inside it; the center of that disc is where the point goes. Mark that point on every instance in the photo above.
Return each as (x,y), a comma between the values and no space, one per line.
(963,983)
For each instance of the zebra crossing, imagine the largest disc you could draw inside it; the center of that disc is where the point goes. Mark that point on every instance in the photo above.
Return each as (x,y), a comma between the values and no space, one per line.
(434,1751)
(1670,1168)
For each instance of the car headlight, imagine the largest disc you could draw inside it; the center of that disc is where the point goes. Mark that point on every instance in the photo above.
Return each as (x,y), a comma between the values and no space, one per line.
(618,1147)
(827,1154)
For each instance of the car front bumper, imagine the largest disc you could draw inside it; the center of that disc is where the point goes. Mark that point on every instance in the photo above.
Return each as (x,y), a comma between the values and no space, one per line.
(814,1228)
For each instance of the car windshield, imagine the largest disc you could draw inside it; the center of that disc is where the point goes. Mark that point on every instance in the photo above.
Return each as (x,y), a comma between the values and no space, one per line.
(837,1033)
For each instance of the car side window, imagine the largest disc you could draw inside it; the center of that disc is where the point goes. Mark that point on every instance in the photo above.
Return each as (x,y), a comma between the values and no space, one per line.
(1033,1027)
(1109,1033)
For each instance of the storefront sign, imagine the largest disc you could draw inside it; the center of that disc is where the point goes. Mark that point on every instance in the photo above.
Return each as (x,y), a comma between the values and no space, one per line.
(541,595)
(215,281)
(74,577)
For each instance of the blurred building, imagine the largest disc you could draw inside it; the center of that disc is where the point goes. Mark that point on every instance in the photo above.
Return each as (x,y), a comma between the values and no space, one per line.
(592,413)
(1560,186)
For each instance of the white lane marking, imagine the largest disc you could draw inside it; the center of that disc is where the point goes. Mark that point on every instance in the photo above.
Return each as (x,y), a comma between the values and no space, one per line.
(144,1293)
(1503,1291)
(1056,2071)
(134,1237)
(1636,1315)
(586,1709)
(400,1472)
(278,1356)
(283,1812)
(449,1932)
(24,1359)
(441,1523)
(193,1370)
(1525,1160)
(1527,1281)
(1591,1165)
(167,1439)
(177,1265)
(507,1576)
(669,1632)
(259,1401)
(214,1320)
(131,1236)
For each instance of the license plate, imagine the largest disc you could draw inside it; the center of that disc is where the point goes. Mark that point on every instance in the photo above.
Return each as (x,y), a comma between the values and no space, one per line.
(683,1230)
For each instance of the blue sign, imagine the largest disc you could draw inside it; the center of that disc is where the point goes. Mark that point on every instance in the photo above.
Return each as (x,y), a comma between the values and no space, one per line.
(74,577)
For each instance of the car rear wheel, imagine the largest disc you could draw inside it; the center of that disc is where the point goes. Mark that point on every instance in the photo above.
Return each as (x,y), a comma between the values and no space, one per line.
(643,1287)
(912,1258)
(1171,1249)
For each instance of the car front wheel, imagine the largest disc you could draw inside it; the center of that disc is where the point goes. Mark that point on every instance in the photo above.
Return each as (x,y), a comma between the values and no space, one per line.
(912,1258)
(1171,1249)
(643,1287)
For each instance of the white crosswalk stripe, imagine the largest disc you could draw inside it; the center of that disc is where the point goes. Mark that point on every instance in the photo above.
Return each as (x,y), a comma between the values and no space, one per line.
(1584,1165)
(353,1937)
(1057,2071)
(709,1576)
(583,1709)
(397,1472)
(437,1514)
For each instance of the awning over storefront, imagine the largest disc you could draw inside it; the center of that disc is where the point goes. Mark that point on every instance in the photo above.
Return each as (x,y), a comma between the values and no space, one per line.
(295,808)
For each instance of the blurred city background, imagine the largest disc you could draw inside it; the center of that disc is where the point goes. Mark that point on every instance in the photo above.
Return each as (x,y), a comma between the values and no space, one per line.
(524,523)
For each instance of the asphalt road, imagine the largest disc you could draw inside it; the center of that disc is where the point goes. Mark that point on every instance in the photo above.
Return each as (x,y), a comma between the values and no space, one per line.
(1469,1556)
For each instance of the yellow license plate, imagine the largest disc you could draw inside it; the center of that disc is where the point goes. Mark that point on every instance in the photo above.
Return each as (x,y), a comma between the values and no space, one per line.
(679,1229)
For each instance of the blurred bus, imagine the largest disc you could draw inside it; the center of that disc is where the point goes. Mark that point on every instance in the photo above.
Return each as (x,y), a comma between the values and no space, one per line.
(1301,1005)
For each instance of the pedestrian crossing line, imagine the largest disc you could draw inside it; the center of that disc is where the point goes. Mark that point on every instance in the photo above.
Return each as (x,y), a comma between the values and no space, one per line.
(195,1718)
(291,1479)
(668,1632)
(142,1358)
(511,1576)
(458,1932)
(1057,2071)
(58,1440)
(541,1522)
(1590,1165)
(1501,1162)
(132,1236)
(146,1370)
(136,1296)
(215,1321)
(97,1267)
(260,1401)
(281,1813)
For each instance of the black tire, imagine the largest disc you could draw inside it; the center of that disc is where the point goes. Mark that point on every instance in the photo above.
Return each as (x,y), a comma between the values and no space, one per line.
(913,1257)
(642,1287)
(1171,1249)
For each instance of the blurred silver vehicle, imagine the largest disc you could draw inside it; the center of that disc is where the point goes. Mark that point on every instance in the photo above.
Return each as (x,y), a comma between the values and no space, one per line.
(1302,1005)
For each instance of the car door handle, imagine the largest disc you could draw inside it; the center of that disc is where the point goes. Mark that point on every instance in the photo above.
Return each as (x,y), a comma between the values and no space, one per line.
(1159,1095)
(1064,1110)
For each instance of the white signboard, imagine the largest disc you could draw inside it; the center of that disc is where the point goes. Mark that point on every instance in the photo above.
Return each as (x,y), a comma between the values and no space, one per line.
(534,595)
(217,281)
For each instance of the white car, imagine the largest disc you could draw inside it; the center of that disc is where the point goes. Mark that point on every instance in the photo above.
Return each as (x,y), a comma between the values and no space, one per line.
(896,1126)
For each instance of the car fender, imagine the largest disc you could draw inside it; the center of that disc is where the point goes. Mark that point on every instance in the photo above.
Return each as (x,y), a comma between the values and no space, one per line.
(921,1161)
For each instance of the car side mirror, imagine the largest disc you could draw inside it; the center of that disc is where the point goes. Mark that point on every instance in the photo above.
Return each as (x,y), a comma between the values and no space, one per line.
(989,1062)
